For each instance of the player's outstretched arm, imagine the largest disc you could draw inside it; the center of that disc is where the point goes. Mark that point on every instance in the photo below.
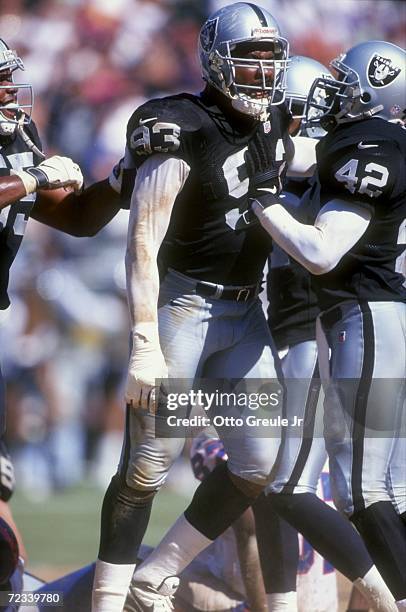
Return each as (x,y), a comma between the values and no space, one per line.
(11,190)
(87,212)
(159,180)
(52,173)
(319,247)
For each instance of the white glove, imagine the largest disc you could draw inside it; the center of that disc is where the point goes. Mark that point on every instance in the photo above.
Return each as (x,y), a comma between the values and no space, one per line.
(147,364)
(52,173)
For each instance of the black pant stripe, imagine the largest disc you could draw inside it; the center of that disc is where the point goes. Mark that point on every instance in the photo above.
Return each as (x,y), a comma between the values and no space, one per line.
(308,431)
(361,404)
(125,457)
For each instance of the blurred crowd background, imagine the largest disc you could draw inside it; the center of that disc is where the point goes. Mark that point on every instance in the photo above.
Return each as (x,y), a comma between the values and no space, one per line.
(64,341)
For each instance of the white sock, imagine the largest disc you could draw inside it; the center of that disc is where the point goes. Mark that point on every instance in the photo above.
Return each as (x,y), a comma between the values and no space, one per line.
(401,605)
(110,586)
(374,589)
(283,602)
(176,550)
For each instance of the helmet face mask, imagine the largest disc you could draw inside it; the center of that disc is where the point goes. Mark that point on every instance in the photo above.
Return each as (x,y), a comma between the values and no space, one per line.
(370,82)
(16,107)
(225,42)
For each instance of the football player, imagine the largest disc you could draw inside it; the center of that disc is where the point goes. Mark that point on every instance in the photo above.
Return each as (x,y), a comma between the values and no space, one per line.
(292,314)
(194,157)
(47,190)
(353,250)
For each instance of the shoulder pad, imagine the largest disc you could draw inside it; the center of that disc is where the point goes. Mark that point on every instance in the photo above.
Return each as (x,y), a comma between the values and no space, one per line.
(159,126)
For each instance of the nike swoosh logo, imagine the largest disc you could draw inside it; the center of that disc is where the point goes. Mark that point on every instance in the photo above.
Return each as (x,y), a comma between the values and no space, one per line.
(366,146)
(273,189)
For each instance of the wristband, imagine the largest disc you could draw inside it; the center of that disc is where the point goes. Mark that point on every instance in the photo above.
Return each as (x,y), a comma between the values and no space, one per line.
(29,181)
(40,176)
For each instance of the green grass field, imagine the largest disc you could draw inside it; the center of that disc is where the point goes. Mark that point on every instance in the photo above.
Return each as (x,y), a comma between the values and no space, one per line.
(62,533)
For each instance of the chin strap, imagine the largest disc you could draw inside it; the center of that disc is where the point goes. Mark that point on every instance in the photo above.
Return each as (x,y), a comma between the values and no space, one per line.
(27,140)
(365,115)
(331,121)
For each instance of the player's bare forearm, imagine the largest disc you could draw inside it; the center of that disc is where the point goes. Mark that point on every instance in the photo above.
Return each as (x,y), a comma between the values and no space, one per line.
(11,190)
(82,214)
(244,529)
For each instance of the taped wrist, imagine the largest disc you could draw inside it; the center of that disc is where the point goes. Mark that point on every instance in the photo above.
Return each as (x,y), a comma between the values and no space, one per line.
(146,332)
(29,181)
(39,175)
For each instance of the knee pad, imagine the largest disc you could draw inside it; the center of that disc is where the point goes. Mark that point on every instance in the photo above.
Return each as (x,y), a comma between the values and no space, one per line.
(130,496)
(146,465)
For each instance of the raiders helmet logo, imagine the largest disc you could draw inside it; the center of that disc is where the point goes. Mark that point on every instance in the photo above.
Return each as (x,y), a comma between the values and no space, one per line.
(208,34)
(381,71)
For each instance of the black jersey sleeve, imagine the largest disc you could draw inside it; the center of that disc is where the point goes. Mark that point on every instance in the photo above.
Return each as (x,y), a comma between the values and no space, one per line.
(365,172)
(162,126)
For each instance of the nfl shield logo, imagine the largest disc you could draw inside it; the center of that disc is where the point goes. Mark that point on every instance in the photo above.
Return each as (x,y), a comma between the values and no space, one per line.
(341,336)
(381,71)
(267,127)
(208,34)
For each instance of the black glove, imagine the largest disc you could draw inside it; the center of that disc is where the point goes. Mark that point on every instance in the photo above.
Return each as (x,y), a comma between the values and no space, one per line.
(260,162)
(263,171)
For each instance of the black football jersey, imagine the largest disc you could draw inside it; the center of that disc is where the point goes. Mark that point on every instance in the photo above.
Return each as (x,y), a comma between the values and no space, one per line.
(364,162)
(202,240)
(293,307)
(14,154)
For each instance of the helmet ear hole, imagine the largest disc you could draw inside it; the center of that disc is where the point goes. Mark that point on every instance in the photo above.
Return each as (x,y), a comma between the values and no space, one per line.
(366,97)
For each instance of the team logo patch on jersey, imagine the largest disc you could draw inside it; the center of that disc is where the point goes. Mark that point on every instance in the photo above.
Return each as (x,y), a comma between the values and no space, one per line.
(381,71)
(267,127)
(208,34)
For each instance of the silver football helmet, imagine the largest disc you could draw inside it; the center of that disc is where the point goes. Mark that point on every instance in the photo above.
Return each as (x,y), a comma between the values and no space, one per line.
(222,36)
(370,82)
(301,75)
(16,108)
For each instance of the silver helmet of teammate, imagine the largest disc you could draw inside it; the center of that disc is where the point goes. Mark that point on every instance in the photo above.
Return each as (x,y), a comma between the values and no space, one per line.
(16,99)
(226,33)
(301,75)
(370,82)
